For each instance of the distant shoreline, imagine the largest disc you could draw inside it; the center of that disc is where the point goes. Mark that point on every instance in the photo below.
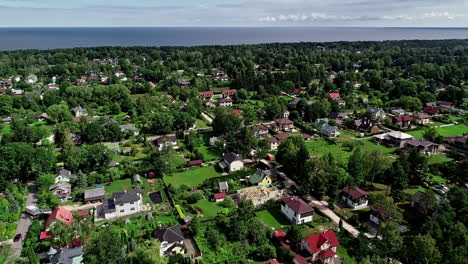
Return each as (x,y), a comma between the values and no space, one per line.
(20,38)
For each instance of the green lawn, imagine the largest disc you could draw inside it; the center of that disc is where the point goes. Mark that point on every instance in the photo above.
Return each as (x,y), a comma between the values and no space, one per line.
(456,130)
(320,147)
(5,129)
(191,178)
(209,209)
(201,123)
(273,218)
(343,253)
(7,231)
(177,161)
(209,154)
(371,146)
(4,252)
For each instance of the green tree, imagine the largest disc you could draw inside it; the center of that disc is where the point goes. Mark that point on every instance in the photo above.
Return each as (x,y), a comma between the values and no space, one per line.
(147,253)
(421,249)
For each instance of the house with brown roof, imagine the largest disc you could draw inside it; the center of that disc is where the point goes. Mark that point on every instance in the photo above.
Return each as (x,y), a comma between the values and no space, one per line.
(296,210)
(366,125)
(422,146)
(422,118)
(354,197)
(284,124)
(322,247)
(260,130)
(403,121)
(273,143)
(205,95)
(431,110)
(228,93)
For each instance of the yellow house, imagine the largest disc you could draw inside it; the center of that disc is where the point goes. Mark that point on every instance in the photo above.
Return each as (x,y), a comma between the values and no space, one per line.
(260,179)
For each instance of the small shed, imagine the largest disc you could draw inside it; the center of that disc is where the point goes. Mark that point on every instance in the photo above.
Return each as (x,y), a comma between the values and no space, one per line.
(136,178)
(195,163)
(223,186)
(219,197)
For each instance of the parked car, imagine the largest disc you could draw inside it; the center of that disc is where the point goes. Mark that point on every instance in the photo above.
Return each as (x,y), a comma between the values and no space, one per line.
(17,238)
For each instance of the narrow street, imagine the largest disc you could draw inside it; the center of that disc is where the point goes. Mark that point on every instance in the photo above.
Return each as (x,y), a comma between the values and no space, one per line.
(23,226)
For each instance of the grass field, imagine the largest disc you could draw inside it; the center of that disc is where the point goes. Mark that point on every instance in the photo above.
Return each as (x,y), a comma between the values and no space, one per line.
(177,161)
(209,209)
(456,130)
(191,178)
(209,154)
(320,147)
(201,123)
(273,218)
(434,159)
(371,146)
(5,129)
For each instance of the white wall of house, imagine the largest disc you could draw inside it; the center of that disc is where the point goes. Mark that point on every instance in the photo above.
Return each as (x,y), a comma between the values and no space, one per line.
(274,146)
(166,245)
(60,178)
(236,165)
(293,217)
(374,219)
(126,209)
(167,144)
(352,204)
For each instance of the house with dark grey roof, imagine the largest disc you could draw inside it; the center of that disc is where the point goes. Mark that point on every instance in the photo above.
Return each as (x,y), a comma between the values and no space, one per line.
(354,197)
(130,128)
(65,255)
(231,162)
(330,131)
(96,195)
(122,203)
(61,190)
(64,175)
(80,111)
(422,146)
(171,238)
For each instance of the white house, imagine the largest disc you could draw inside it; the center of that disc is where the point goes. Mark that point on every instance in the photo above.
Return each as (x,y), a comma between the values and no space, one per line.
(165,142)
(376,113)
(273,143)
(296,210)
(80,111)
(224,102)
(123,203)
(231,162)
(354,197)
(172,240)
(330,131)
(64,175)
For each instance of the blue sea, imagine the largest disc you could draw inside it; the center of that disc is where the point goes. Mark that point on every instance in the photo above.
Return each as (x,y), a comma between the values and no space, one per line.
(51,38)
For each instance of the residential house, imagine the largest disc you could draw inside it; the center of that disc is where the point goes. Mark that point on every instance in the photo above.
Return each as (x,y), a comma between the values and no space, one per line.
(258,194)
(330,131)
(457,140)
(422,118)
(228,93)
(286,114)
(61,190)
(59,214)
(259,179)
(219,75)
(282,137)
(224,102)
(422,146)
(223,186)
(273,143)
(231,162)
(181,82)
(403,121)
(165,142)
(17,92)
(296,91)
(296,210)
(399,112)
(119,74)
(200,74)
(81,82)
(393,139)
(379,214)
(52,87)
(284,124)
(334,96)
(80,111)
(431,110)
(367,126)
(31,79)
(445,104)
(322,247)
(171,239)
(321,122)
(354,197)
(260,130)
(130,128)
(64,175)
(219,197)
(193,163)
(65,255)
(96,195)
(122,204)
(40,117)
(6,84)
(205,95)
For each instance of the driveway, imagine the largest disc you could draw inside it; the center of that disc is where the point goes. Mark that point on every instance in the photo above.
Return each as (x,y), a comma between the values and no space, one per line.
(23,226)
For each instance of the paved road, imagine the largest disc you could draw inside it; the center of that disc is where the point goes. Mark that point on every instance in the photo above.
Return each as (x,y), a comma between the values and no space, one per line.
(23,226)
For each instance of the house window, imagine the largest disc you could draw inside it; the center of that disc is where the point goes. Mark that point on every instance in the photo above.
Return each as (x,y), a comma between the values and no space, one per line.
(132,202)
(132,209)
(122,210)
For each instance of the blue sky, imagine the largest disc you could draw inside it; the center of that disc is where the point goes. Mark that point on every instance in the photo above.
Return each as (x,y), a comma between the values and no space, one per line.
(202,13)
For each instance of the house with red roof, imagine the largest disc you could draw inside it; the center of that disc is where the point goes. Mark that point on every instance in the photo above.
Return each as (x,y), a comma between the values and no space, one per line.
(334,96)
(431,110)
(322,247)
(229,93)
(402,121)
(205,95)
(296,210)
(354,197)
(219,197)
(60,214)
